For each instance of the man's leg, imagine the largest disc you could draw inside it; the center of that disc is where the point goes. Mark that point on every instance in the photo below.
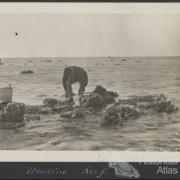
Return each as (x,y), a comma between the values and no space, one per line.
(69,91)
(66,92)
(81,93)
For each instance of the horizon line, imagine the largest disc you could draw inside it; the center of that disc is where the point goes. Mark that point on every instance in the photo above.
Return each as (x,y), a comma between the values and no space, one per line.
(87,57)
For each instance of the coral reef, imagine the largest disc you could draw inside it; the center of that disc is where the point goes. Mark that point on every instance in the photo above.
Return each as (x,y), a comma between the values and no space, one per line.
(50,102)
(75,113)
(99,98)
(12,112)
(136,106)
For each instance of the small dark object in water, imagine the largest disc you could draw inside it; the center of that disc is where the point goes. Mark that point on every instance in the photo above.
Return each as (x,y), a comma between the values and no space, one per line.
(124,60)
(27,72)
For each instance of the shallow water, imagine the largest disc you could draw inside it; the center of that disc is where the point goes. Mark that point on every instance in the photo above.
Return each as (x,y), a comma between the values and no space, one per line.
(135,76)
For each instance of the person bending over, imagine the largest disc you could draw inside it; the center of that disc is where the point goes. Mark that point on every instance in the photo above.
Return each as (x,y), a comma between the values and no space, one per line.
(74,74)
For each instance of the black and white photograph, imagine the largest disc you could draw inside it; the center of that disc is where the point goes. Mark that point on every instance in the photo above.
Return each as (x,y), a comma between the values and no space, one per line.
(79,81)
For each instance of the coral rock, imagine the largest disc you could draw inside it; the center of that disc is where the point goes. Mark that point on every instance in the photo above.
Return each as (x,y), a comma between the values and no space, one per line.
(27,72)
(75,113)
(117,114)
(50,102)
(13,112)
(93,100)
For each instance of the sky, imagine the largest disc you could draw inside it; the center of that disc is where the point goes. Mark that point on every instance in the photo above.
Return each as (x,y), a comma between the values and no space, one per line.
(89,35)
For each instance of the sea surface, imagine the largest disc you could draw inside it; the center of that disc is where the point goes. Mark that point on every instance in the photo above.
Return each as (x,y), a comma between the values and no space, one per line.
(127,76)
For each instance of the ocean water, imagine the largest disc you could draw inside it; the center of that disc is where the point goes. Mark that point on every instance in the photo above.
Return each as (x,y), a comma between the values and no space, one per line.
(132,76)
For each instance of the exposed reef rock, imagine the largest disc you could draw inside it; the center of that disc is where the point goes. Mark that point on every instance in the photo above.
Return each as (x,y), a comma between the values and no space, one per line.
(12,112)
(50,105)
(99,98)
(27,72)
(50,102)
(75,113)
(93,100)
(117,114)
(136,106)
(100,102)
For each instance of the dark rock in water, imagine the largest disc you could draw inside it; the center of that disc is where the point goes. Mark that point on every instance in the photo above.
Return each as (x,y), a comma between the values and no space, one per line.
(100,90)
(113,94)
(111,117)
(117,114)
(108,99)
(106,94)
(13,112)
(99,98)
(160,107)
(50,102)
(149,98)
(27,72)
(78,113)
(3,105)
(93,100)
(127,102)
(136,106)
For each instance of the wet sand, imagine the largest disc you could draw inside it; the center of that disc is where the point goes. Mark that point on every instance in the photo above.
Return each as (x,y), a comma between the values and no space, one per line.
(135,76)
